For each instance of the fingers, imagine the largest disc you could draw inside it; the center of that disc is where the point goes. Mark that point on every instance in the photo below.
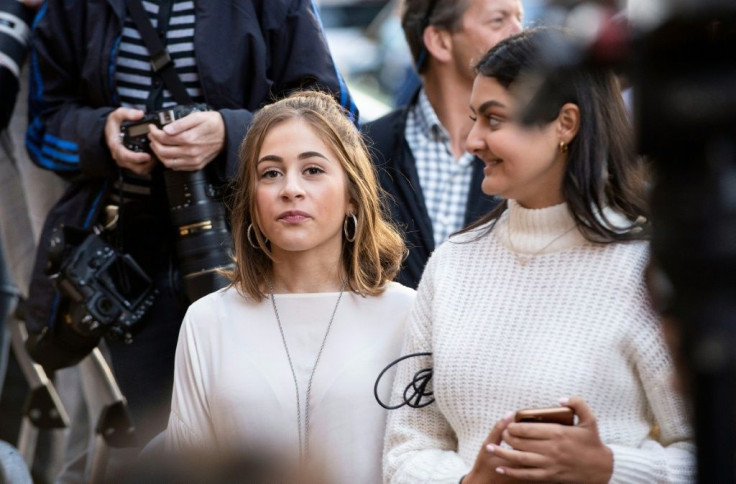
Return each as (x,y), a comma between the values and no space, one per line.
(582,410)
(140,163)
(517,457)
(496,435)
(521,474)
(186,123)
(535,431)
(176,154)
(189,143)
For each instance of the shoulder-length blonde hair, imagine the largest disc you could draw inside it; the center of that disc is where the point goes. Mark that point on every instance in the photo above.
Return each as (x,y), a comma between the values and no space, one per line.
(375,255)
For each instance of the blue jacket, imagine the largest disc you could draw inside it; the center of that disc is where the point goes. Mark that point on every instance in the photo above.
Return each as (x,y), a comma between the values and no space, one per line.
(248,53)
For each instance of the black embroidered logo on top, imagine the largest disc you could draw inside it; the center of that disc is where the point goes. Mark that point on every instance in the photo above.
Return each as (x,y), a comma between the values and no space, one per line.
(415,391)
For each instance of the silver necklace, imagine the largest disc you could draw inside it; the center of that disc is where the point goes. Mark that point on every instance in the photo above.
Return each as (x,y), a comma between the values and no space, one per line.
(523,259)
(304,443)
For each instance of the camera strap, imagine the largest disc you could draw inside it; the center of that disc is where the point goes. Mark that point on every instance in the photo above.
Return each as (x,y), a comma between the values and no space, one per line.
(161,61)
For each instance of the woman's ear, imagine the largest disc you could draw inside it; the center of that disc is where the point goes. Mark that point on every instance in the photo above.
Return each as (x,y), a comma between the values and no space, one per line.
(438,43)
(568,122)
(352,208)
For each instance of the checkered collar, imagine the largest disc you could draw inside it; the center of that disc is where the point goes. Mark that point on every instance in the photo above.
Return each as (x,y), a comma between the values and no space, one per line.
(427,120)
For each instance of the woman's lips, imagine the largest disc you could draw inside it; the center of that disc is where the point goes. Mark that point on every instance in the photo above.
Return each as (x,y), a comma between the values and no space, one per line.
(293,216)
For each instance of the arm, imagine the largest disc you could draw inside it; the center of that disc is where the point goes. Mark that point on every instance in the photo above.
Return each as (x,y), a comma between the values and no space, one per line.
(420,445)
(65,134)
(670,458)
(544,452)
(301,57)
(189,423)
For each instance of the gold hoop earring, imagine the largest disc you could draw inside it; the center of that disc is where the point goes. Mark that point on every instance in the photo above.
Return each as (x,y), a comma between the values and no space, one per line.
(250,241)
(345,227)
(563,147)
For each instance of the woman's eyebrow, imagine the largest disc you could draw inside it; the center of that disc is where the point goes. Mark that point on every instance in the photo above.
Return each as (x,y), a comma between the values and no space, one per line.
(490,104)
(311,154)
(271,158)
(302,156)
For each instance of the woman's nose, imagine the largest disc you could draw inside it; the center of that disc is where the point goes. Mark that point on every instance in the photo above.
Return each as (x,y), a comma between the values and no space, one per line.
(474,142)
(292,186)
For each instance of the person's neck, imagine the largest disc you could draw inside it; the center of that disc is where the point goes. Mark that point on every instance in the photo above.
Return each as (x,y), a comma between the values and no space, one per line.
(449,95)
(306,274)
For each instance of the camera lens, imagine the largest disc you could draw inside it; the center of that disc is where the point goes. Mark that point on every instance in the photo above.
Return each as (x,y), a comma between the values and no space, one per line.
(203,242)
(15,19)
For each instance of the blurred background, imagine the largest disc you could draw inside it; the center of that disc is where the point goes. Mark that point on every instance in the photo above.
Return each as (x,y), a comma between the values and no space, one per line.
(368,45)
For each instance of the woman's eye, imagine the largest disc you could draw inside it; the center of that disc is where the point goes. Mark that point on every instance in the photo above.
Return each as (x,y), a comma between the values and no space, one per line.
(473,117)
(494,122)
(314,170)
(270,174)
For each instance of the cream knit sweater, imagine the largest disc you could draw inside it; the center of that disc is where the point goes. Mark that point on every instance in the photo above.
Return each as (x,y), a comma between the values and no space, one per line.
(520,318)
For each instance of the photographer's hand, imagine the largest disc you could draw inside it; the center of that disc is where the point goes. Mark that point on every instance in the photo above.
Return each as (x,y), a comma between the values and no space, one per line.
(189,143)
(139,163)
(558,453)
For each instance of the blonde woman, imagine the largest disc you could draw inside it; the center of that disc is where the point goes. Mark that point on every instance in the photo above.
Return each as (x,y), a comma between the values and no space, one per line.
(284,359)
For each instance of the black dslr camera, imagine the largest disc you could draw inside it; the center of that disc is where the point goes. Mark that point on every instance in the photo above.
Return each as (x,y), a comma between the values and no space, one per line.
(135,133)
(108,291)
(203,243)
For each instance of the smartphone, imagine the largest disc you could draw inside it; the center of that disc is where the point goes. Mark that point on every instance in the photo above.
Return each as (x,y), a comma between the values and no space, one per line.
(558,415)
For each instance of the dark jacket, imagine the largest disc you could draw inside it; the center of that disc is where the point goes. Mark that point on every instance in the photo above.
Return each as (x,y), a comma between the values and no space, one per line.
(397,172)
(248,53)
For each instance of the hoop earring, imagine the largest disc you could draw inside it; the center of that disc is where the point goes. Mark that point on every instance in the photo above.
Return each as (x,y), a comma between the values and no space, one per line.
(345,227)
(250,241)
(563,147)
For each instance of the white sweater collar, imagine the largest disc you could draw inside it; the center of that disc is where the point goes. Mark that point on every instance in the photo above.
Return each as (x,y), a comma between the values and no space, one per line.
(538,231)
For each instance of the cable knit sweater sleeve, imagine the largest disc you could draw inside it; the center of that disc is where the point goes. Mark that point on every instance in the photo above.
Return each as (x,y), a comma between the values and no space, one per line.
(420,444)
(670,458)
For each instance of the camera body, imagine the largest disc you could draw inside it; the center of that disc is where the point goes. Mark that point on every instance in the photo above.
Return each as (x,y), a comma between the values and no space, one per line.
(107,289)
(135,133)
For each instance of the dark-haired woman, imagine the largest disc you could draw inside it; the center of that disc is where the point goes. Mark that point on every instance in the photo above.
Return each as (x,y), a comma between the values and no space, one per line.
(282,363)
(542,303)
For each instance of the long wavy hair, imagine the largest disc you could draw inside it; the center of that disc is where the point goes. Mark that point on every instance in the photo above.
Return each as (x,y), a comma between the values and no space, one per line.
(375,255)
(602,169)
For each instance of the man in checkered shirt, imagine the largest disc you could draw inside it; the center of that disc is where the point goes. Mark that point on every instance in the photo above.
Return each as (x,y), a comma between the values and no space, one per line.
(419,149)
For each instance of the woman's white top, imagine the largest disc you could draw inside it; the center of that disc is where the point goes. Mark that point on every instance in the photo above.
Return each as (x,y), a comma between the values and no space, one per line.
(233,385)
(514,321)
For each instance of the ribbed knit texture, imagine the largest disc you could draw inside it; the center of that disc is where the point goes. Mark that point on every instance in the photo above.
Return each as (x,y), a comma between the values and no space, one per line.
(522,328)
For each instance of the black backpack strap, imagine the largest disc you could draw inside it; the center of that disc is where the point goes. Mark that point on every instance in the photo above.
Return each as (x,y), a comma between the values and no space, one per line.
(161,62)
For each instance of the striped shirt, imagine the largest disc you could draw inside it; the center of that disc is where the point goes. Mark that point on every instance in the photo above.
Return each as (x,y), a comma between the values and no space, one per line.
(135,82)
(445,182)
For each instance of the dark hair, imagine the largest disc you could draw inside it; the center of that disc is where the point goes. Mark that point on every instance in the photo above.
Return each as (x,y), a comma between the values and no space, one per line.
(602,169)
(417,15)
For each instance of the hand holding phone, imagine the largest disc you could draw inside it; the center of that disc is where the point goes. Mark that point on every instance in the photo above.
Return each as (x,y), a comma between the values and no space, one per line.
(558,415)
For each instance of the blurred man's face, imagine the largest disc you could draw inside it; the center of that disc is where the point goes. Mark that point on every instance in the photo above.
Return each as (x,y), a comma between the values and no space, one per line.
(484,24)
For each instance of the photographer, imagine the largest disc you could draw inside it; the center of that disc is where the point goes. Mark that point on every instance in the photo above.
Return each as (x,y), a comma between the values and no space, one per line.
(236,57)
